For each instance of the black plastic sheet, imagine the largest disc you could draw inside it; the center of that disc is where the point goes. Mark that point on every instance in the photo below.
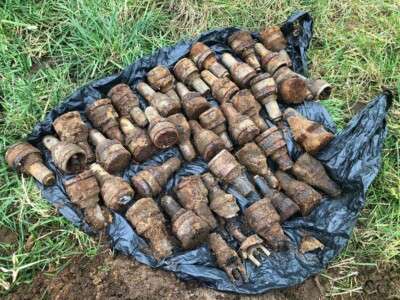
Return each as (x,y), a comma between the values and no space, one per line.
(352,159)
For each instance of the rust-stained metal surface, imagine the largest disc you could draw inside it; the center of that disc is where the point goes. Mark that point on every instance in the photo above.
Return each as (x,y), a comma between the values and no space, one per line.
(162,132)
(292,88)
(272,61)
(184,133)
(242,43)
(273,38)
(205,59)
(193,103)
(222,89)
(186,71)
(161,79)
(241,73)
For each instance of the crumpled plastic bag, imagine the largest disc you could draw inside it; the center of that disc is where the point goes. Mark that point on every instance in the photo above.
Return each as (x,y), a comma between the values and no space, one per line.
(352,159)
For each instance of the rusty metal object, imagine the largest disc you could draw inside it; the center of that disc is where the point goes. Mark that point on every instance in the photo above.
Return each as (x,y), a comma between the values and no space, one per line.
(188,227)
(186,71)
(149,222)
(104,117)
(292,87)
(68,157)
(127,104)
(213,119)
(150,181)
(161,79)
(83,191)
(245,103)
(192,194)
(222,89)
(319,88)
(274,146)
(222,203)
(250,246)
(252,157)
(309,243)
(311,135)
(115,191)
(110,154)
(242,43)
(285,206)
(164,104)
(205,59)
(272,61)
(184,133)
(227,259)
(273,38)
(137,141)
(241,127)
(262,217)
(300,192)
(311,171)
(162,132)
(193,103)
(264,90)
(70,128)
(25,158)
(226,168)
(207,143)
(241,73)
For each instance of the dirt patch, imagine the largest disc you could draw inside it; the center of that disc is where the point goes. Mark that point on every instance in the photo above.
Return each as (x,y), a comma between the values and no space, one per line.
(8,238)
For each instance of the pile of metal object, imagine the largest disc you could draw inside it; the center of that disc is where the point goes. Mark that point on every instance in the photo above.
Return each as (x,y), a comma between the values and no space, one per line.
(232,137)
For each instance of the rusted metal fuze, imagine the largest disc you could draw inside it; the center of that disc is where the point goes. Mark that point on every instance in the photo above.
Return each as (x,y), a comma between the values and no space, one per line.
(319,88)
(222,89)
(68,157)
(161,79)
(186,71)
(311,171)
(83,191)
(25,158)
(272,61)
(149,222)
(127,104)
(300,192)
(162,132)
(70,128)
(273,38)
(137,141)
(311,135)
(213,119)
(104,117)
(252,157)
(250,246)
(205,59)
(193,103)
(207,143)
(226,168)
(192,194)
(184,132)
(188,227)
(262,217)
(245,103)
(274,146)
(242,44)
(241,127)
(115,191)
(110,154)
(222,203)
(164,104)
(150,181)
(227,259)
(264,90)
(241,73)
(285,206)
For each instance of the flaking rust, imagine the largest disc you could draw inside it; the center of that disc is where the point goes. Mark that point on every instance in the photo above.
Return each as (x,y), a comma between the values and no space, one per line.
(241,73)
(127,104)
(311,135)
(83,191)
(222,89)
(149,222)
(70,128)
(103,116)
(192,194)
(205,59)
(68,157)
(25,158)
(161,79)
(242,43)
(184,133)
(188,227)
(150,181)
(115,191)
(273,38)
(193,103)
(162,132)
(186,71)
(272,61)
(110,154)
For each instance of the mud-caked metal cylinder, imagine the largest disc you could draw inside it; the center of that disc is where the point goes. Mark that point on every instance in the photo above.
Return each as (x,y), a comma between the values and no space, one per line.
(222,89)
(205,59)
(242,43)
(184,133)
(273,38)
(193,103)
(272,61)
(241,72)
(161,79)
(186,71)
(162,132)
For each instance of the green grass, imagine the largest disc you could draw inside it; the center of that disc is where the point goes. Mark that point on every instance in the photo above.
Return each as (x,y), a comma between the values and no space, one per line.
(49,48)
